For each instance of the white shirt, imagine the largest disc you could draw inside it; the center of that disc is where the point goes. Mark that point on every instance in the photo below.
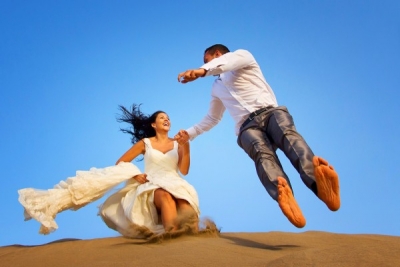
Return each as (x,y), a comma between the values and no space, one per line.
(240,88)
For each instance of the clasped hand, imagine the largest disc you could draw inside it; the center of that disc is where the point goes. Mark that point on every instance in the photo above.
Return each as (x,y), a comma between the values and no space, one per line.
(182,137)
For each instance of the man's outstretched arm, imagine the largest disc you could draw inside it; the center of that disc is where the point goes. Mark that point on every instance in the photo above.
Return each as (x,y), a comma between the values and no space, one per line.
(191,75)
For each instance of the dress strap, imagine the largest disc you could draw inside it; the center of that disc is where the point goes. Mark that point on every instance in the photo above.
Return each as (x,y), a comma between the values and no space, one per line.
(147,142)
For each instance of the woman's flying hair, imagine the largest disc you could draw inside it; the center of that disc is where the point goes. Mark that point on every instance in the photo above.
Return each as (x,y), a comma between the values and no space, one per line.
(140,123)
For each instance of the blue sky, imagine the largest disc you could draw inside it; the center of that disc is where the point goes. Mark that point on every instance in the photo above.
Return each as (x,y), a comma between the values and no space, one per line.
(65,66)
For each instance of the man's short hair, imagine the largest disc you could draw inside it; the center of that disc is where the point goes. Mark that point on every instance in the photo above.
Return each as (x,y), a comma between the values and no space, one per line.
(220,47)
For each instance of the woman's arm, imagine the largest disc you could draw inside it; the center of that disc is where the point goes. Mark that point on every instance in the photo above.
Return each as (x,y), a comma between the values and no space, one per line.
(184,158)
(132,153)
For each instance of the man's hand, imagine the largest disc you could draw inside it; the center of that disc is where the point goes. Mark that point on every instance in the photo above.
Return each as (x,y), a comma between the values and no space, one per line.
(191,75)
(182,137)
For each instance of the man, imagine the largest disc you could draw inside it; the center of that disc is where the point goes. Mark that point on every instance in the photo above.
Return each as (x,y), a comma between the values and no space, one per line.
(262,127)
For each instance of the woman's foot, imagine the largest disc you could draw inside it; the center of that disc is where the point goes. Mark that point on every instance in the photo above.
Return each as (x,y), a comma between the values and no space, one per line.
(188,221)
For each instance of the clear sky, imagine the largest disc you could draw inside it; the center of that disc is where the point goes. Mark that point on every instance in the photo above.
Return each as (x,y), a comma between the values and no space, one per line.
(65,66)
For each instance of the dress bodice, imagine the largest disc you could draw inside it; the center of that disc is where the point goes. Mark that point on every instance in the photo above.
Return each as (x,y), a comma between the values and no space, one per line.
(158,163)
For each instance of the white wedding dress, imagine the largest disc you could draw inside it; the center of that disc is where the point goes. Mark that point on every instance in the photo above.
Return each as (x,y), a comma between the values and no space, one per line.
(130,211)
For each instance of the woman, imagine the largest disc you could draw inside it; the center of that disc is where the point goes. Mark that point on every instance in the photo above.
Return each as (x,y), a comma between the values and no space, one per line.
(159,194)
(150,203)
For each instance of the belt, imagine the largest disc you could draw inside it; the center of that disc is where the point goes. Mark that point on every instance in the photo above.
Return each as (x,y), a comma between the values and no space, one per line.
(254,114)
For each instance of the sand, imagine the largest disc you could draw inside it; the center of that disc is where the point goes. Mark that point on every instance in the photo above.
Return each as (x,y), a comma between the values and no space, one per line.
(218,249)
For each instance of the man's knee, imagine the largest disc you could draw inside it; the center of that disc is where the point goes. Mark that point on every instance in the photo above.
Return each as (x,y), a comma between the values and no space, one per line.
(255,143)
(246,139)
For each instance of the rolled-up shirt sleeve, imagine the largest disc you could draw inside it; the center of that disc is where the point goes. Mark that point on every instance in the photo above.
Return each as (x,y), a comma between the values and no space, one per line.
(212,118)
(229,62)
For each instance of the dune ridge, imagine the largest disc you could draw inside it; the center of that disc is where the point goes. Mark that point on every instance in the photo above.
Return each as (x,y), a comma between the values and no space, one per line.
(311,248)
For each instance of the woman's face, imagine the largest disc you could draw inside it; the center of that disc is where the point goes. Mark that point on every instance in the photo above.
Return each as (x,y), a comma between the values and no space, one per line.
(162,122)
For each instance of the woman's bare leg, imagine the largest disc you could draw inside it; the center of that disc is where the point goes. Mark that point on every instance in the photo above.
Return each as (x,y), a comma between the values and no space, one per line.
(184,206)
(188,215)
(166,204)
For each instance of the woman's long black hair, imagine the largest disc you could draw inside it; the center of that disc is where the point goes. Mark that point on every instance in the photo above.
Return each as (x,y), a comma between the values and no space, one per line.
(140,123)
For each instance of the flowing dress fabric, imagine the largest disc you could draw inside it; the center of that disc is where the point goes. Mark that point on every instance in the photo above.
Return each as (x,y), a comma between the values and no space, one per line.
(131,211)
(73,193)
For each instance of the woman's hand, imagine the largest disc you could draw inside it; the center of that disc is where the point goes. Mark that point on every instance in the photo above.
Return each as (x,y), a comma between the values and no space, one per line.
(141,178)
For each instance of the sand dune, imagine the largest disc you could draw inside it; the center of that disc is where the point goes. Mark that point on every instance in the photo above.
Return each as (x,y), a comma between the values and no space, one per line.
(225,249)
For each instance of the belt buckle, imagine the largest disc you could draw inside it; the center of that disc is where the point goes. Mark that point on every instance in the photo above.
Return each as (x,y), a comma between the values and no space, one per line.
(253,115)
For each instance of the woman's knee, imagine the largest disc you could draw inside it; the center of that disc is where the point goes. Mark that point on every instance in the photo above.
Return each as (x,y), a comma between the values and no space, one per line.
(162,195)
(182,203)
